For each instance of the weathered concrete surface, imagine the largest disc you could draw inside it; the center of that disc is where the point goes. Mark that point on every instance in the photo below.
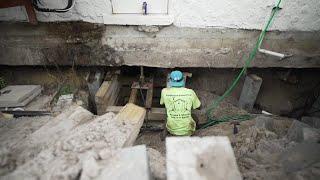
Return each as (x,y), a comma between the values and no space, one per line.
(90,44)
(311,121)
(18,95)
(264,122)
(250,92)
(201,158)
(295,132)
(129,163)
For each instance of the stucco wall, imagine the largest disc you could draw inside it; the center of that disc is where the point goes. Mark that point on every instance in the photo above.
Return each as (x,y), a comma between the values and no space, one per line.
(297,15)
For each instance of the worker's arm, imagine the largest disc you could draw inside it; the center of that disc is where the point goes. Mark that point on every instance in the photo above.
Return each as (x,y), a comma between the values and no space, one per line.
(161,97)
(195,102)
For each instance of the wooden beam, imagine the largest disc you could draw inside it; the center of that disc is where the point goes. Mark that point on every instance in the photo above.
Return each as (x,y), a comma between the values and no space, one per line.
(149,96)
(30,11)
(107,94)
(133,115)
(156,114)
(133,96)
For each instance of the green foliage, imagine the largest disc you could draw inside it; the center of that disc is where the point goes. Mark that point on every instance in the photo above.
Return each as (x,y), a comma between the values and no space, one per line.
(3,83)
(66,89)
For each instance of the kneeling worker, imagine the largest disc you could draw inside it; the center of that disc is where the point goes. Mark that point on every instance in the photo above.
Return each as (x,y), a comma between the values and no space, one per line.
(179,101)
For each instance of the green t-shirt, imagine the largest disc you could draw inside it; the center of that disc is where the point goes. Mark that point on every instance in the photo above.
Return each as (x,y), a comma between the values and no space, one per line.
(178,103)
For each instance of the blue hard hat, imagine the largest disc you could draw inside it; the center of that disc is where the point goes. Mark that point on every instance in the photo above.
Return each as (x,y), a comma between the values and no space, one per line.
(176,79)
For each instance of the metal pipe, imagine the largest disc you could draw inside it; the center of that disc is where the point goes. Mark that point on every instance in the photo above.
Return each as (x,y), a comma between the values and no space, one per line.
(272,53)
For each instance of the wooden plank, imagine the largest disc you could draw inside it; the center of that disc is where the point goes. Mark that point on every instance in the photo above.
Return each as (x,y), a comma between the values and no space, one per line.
(149,95)
(107,94)
(133,96)
(149,98)
(134,115)
(30,11)
(156,114)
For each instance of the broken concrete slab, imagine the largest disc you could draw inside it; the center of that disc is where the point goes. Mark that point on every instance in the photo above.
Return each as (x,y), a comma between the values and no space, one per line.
(129,163)
(311,134)
(201,158)
(18,95)
(295,131)
(55,129)
(311,121)
(250,92)
(264,122)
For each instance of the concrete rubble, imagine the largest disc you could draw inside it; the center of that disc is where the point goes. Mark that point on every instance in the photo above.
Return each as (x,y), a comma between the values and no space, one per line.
(70,145)
(79,145)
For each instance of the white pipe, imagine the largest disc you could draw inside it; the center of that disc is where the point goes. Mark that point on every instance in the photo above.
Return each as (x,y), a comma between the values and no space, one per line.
(280,55)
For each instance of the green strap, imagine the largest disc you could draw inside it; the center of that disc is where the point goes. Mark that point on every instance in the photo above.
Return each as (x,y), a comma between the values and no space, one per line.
(215,104)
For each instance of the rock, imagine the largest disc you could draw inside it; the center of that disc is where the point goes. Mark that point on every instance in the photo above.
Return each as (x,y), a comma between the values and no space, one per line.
(311,135)
(90,168)
(63,102)
(157,164)
(149,29)
(201,158)
(295,131)
(264,122)
(311,121)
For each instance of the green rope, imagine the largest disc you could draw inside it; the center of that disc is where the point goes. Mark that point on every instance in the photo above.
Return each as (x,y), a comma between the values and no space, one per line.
(211,120)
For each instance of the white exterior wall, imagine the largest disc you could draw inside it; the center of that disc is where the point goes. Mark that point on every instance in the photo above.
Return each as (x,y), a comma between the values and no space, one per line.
(297,15)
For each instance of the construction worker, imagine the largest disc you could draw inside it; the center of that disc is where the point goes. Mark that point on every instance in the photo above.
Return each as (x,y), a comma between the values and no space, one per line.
(179,101)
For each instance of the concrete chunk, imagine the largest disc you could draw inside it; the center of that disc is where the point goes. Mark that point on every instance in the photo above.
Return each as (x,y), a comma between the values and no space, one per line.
(201,158)
(18,95)
(311,134)
(295,131)
(129,164)
(311,121)
(264,122)
(250,92)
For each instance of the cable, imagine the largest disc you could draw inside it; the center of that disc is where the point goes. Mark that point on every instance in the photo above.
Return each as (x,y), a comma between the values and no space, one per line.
(211,120)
